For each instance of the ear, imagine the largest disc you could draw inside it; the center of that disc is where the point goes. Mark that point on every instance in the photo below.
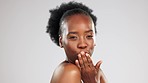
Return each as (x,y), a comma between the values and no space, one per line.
(95,39)
(94,44)
(60,41)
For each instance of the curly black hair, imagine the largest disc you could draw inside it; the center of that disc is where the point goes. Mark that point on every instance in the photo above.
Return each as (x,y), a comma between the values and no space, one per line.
(53,26)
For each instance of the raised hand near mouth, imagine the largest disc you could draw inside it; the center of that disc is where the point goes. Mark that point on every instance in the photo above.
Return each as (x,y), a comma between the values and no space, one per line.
(89,72)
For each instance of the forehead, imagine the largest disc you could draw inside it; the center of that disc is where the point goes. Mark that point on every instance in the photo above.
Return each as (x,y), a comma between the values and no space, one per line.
(79,22)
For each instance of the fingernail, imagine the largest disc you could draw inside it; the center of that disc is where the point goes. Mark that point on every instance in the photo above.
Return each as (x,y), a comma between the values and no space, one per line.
(76,60)
(82,53)
(79,55)
(87,55)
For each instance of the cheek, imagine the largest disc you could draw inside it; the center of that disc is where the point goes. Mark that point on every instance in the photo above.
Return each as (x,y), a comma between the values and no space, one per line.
(91,43)
(91,46)
(70,47)
(71,51)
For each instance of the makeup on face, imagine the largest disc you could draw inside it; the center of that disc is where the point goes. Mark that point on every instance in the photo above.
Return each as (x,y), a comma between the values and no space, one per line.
(78,35)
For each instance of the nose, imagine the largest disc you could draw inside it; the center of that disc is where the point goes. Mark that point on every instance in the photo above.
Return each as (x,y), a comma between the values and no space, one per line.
(82,44)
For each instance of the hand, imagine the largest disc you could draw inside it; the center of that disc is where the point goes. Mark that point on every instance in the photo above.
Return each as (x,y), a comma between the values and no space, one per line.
(89,72)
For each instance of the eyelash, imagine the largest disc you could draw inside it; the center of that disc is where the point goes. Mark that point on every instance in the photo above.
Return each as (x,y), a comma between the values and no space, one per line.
(72,37)
(89,36)
(75,37)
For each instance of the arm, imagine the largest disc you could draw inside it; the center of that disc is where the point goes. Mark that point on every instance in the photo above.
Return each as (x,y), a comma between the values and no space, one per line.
(66,73)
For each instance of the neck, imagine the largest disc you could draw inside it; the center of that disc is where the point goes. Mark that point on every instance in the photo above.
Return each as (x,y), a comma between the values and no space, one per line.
(69,61)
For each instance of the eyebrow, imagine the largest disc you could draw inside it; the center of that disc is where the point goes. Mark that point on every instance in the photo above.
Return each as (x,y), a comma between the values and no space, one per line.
(77,32)
(89,31)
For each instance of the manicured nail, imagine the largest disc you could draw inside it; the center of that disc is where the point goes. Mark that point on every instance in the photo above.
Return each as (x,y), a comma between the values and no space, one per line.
(76,60)
(87,55)
(82,52)
(79,55)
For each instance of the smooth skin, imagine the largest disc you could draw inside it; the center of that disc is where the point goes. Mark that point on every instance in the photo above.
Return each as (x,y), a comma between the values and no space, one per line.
(78,41)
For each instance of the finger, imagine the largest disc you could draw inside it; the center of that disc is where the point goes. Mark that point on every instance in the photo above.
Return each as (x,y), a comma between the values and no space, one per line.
(80,61)
(97,66)
(77,64)
(85,61)
(89,60)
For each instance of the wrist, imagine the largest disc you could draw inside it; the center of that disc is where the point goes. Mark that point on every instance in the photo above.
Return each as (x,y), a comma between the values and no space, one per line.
(91,81)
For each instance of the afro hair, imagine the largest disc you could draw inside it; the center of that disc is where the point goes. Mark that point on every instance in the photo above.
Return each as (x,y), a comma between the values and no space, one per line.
(56,14)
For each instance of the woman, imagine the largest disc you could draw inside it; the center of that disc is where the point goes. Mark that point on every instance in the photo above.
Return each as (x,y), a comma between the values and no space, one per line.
(72,26)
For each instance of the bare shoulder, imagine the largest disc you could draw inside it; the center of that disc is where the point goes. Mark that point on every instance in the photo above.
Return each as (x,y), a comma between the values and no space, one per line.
(66,73)
(102,77)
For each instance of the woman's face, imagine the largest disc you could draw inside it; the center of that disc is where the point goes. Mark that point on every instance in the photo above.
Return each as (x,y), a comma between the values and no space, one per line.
(78,34)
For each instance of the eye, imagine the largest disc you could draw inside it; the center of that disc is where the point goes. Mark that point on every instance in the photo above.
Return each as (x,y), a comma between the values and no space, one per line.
(72,37)
(89,36)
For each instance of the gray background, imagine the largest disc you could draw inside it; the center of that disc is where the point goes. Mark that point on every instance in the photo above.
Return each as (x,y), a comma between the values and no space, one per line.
(27,54)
